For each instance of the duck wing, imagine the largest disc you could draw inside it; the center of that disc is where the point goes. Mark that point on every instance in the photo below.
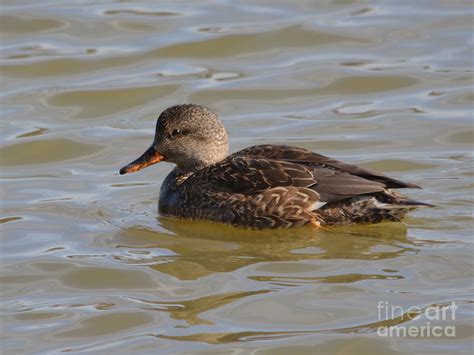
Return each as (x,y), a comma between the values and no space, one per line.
(251,176)
(310,159)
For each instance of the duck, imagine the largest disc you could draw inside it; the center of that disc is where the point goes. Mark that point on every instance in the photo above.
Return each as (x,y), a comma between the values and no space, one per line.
(262,186)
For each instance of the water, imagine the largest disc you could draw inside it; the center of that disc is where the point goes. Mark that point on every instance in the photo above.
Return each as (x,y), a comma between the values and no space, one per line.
(88,265)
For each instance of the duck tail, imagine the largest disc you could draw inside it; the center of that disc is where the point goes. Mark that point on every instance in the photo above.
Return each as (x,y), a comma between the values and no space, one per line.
(404,204)
(392,199)
(414,203)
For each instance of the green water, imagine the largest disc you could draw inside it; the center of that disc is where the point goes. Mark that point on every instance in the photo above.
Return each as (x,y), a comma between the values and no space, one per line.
(88,265)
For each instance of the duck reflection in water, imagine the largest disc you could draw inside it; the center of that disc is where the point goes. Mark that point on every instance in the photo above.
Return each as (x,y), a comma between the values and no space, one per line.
(199,248)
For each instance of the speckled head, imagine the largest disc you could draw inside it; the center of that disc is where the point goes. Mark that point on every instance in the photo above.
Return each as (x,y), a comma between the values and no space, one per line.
(190,136)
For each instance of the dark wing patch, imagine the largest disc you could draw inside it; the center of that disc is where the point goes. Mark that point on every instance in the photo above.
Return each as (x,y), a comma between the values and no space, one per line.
(251,176)
(334,185)
(309,158)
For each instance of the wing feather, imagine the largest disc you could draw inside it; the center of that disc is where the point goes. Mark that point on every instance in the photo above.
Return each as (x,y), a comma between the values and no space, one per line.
(252,176)
(309,158)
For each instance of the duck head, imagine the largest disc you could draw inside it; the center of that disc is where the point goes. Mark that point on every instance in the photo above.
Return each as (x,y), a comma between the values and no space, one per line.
(190,136)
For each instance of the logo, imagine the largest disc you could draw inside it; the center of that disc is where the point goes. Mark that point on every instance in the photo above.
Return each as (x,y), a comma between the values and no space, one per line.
(392,317)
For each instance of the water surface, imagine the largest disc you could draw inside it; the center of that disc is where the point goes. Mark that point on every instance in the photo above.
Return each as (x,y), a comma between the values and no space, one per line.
(89,266)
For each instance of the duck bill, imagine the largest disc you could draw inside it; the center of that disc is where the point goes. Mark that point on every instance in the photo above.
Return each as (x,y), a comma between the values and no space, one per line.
(148,158)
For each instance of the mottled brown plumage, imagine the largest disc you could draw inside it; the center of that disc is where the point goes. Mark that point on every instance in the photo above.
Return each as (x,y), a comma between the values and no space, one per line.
(264,186)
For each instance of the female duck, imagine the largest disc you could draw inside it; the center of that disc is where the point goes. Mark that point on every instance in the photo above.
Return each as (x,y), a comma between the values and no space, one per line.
(263,186)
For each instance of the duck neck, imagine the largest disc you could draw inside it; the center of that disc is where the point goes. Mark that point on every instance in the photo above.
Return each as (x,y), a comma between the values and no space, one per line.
(201,160)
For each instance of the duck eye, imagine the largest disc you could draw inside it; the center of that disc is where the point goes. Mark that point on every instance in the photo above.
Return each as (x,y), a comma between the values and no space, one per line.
(176,132)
